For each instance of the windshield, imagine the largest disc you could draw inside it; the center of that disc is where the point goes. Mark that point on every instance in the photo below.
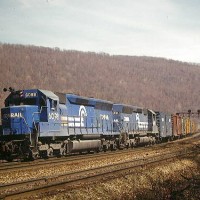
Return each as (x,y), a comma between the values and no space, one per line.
(16,101)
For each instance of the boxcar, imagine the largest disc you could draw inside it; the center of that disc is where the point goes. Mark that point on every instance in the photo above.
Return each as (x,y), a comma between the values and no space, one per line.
(164,123)
(176,126)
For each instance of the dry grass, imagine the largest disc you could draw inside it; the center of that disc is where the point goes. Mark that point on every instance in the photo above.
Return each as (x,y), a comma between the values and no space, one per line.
(165,181)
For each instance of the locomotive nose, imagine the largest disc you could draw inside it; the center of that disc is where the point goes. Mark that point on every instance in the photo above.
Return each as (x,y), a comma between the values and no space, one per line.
(18,119)
(5,117)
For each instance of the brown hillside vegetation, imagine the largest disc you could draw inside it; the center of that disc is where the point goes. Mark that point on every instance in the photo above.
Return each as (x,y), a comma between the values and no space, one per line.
(155,83)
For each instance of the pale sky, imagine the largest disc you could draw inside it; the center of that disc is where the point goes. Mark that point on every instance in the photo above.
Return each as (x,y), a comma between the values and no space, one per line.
(159,28)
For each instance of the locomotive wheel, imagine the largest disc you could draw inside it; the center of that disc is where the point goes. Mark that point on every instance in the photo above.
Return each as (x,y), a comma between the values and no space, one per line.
(31,156)
(127,146)
(99,149)
(132,145)
(9,158)
(50,152)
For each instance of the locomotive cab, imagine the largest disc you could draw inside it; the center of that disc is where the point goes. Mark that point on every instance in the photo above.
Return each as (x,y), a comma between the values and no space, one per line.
(124,122)
(20,111)
(26,113)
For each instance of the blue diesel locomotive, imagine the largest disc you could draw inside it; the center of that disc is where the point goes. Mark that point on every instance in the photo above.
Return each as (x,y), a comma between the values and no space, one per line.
(41,123)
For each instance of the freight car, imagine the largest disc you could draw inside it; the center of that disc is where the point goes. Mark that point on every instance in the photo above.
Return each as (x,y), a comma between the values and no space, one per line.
(41,123)
(176,126)
(164,124)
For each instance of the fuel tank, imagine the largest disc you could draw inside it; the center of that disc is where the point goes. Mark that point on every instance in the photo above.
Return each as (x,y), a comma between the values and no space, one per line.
(83,145)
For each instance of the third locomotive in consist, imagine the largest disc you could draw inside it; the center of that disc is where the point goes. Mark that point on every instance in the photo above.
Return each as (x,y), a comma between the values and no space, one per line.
(41,123)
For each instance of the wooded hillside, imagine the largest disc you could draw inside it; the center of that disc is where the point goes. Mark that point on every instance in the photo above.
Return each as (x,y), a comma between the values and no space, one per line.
(155,83)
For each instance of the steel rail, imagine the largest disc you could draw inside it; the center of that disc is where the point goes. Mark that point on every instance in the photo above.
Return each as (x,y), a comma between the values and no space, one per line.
(64,159)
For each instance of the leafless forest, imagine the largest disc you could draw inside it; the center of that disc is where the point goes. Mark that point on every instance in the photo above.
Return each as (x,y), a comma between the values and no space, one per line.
(156,83)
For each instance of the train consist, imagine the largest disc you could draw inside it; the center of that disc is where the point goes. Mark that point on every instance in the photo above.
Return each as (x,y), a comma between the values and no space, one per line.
(41,123)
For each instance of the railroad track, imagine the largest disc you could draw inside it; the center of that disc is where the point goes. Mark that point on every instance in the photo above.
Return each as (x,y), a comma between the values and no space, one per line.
(31,187)
(56,161)
(13,166)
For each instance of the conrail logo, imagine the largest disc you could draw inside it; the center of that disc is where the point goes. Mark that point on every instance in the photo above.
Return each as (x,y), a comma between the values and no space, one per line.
(12,115)
(76,121)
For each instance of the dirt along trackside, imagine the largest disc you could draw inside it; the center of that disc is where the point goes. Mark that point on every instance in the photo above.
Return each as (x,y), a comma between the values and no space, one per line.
(177,178)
